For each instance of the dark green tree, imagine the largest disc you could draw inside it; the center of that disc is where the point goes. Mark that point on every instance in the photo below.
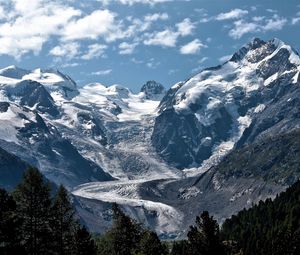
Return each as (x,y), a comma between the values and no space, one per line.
(151,245)
(10,242)
(33,209)
(204,238)
(124,236)
(180,248)
(84,244)
(63,223)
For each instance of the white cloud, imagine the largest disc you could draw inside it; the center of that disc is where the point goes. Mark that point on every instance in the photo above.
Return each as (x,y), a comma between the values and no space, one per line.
(132,2)
(225,58)
(27,26)
(241,27)
(166,38)
(102,72)
(156,16)
(98,23)
(127,48)
(70,65)
(192,47)
(202,60)
(262,24)
(185,27)
(233,14)
(69,50)
(295,20)
(94,51)
(276,23)
(152,63)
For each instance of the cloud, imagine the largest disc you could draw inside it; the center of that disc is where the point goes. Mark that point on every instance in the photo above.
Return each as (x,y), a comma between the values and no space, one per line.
(225,58)
(168,37)
(26,27)
(233,14)
(102,72)
(70,50)
(132,2)
(152,64)
(275,23)
(185,27)
(202,60)
(126,48)
(94,51)
(156,16)
(70,65)
(192,47)
(98,23)
(242,27)
(295,20)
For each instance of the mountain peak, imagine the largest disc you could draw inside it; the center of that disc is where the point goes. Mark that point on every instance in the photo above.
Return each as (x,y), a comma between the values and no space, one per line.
(13,72)
(153,90)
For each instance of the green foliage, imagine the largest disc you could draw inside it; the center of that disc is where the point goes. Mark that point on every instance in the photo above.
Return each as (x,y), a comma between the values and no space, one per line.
(10,243)
(33,201)
(63,222)
(271,227)
(126,237)
(275,159)
(204,238)
(84,244)
(33,223)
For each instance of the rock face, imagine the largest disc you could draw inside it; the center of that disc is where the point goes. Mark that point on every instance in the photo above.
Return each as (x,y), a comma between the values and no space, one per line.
(153,90)
(11,170)
(220,141)
(254,94)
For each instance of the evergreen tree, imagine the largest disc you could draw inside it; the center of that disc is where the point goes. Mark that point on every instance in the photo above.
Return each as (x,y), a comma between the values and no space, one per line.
(150,244)
(63,223)
(84,243)
(33,208)
(180,247)
(204,238)
(9,225)
(124,236)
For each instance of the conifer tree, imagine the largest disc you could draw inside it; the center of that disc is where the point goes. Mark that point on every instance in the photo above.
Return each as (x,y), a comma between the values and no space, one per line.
(63,223)
(204,238)
(84,243)
(33,208)
(150,244)
(9,225)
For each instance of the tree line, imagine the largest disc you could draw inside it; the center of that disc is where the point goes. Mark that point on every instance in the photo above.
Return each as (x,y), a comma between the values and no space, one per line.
(34,221)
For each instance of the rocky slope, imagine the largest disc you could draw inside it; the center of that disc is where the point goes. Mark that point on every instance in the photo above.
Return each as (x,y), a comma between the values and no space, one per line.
(160,159)
(254,94)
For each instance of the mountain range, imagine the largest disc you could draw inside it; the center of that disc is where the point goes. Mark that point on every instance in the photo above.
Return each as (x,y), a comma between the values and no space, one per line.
(219,141)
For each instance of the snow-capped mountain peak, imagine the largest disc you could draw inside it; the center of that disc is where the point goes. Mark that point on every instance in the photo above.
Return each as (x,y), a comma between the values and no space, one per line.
(13,72)
(153,90)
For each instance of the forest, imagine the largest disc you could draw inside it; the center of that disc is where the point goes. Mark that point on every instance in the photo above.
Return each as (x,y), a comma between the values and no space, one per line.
(36,219)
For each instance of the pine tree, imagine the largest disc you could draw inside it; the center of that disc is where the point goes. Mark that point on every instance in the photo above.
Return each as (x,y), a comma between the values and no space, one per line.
(125,233)
(63,223)
(150,244)
(204,238)
(33,208)
(10,242)
(124,236)
(84,243)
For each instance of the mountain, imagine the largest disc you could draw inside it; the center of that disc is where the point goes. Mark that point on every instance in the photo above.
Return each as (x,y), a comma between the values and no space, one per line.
(11,170)
(271,227)
(220,141)
(253,95)
(153,90)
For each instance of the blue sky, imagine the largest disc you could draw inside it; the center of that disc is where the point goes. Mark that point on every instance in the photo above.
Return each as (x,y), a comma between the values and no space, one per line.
(128,42)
